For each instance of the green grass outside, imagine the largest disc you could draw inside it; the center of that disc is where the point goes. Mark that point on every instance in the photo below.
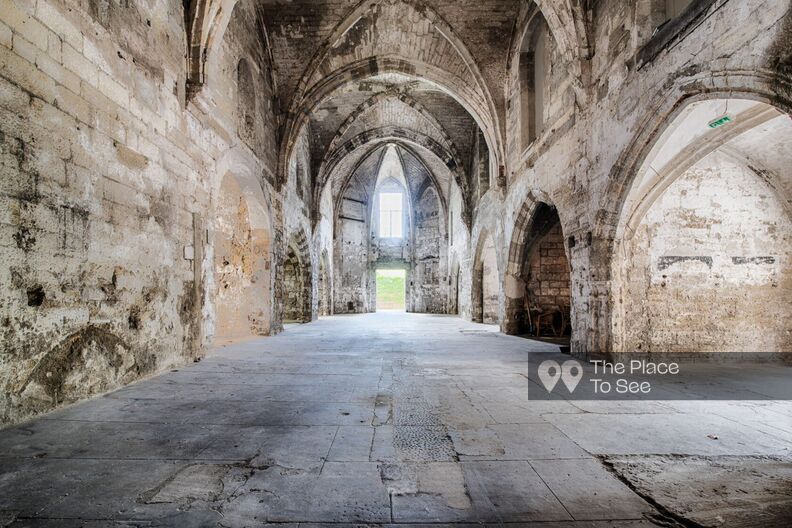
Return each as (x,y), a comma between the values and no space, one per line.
(390,289)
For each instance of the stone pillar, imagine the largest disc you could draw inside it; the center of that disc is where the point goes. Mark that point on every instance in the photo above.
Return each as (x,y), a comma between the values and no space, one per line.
(591,297)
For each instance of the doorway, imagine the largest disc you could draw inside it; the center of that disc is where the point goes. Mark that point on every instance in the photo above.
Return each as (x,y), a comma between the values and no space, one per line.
(297,282)
(486,283)
(390,289)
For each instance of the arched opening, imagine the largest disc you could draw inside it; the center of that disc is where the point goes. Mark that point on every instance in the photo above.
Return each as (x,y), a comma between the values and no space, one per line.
(486,283)
(325,304)
(391,200)
(241,244)
(297,286)
(453,286)
(246,101)
(390,214)
(540,301)
(299,179)
(391,210)
(480,165)
(705,236)
(534,70)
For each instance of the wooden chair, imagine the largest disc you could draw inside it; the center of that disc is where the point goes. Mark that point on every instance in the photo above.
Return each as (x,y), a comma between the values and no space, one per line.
(565,319)
(543,319)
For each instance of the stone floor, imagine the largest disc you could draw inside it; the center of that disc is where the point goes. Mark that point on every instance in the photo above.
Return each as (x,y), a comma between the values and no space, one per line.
(391,419)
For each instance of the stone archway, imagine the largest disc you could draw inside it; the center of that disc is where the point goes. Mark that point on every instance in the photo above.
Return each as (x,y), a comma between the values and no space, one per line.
(297,281)
(702,253)
(538,274)
(485,303)
(242,271)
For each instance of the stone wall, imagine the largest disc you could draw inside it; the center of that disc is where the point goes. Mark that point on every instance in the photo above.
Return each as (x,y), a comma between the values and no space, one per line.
(710,264)
(110,185)
(294,288)
(242,225)
(639,80)
(352,242)
(428,294)
(242,267)
(485,287)
(459,267)
(104,189)
(323,235)
(301,241)
(547,279)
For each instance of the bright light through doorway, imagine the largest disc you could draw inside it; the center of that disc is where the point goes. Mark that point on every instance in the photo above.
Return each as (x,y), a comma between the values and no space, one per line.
(390,289)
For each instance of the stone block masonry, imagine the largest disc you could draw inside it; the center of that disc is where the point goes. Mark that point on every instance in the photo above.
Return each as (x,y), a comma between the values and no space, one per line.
(101,172)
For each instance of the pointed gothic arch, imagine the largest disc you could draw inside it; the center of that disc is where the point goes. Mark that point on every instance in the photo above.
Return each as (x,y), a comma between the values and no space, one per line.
(297,280)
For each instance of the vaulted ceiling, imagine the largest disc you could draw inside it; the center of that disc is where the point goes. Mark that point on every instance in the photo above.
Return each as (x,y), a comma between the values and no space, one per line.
(355,74)
(351,75)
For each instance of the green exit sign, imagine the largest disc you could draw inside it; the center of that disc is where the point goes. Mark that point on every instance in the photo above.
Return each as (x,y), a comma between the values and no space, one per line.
(720,122)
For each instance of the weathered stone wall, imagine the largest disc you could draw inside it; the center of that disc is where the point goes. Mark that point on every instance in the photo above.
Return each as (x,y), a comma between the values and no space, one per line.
(480,166)
(548,273)
(351,264)
(102,172)
(111,188)
(242,267)
(293,288)
(301,241)
(710,265)
(323,240)
(241,89)
(352,242)
(459,262)
(427,252)
(631,88)
(246,111)
(556,96)
(428,294)
(490,285)
(485,287)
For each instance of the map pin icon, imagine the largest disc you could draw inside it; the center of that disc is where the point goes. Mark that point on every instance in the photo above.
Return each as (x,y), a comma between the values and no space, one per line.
(549,380)
(571,372)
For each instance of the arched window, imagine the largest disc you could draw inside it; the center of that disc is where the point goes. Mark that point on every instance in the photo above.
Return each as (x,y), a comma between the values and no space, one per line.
(246,95)
(534,66)
(391,214)
(482,163)
(486,282)
(299,180)
(390,197)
